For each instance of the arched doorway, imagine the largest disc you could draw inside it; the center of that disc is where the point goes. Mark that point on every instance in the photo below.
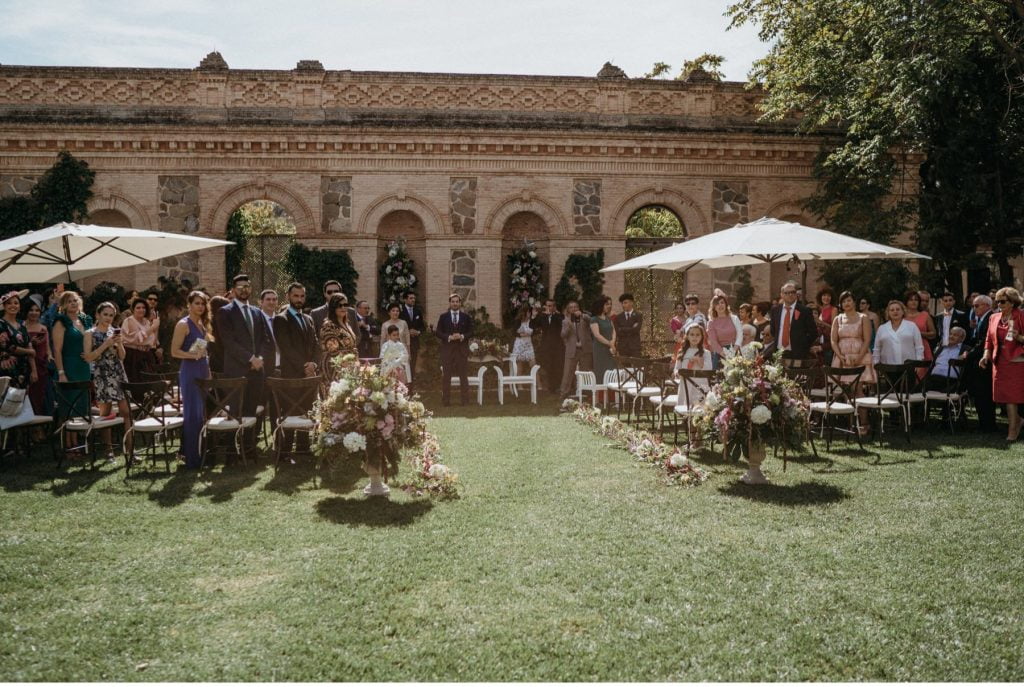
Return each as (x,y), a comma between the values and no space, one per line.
(651,228)
(263,231)
(406,227)
(524,228)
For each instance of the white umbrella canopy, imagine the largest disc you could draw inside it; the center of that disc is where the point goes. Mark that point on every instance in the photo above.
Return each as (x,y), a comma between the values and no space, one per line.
(766,240)
(65,251)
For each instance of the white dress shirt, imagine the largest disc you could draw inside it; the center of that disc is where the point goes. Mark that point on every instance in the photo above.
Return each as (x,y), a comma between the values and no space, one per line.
(897,347)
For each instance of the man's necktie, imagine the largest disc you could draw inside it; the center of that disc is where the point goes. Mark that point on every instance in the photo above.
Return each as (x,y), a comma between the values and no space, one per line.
(455,319)
(247,316)
(785,327)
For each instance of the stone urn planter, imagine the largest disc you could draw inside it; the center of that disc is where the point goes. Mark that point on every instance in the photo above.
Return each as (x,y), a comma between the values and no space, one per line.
(755,457)
(376,487)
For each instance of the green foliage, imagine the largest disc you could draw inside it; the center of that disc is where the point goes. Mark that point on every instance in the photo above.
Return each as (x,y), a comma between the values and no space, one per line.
(523,272)
(941,79)
(658,70)
(709,63)
(581,279)
(654,222)
(239,230)
(61,195)
(104,291)
(483,328)
(256,218)
(743,289)
(313,266)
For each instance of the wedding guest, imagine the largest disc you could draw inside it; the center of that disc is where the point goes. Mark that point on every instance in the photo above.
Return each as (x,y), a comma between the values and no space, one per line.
(924,322)
(605,343)
(393,353)
(367,330)
(746,313)
(749,332)
(17,356)
(193,328)
(823,340)
(104,348)
(826,310)
(899,339)
(454,329)
(214,346)
(724,330)
(1004,351)
(129,299)
(578,343)
(139,333)
(551,351)
(678,319)
(850,337)
(793,329)
(298,350)
(979,379)
(693,353)
(269,308)
(69,330)
(331,288)
(864,308)
(955,349)
(950,317)
(522,347)
(40,392)
(760,320)
(412,315)
(628,324)
(337,338)
(242,330)
(693,314)
(395,320)
(924,305)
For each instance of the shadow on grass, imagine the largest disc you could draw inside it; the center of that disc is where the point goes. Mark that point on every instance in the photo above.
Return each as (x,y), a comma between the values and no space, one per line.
(803,494)
(339,477)
(176,490)
(371,512)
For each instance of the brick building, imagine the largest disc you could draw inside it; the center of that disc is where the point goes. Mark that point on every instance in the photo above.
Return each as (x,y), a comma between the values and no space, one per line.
(462,166)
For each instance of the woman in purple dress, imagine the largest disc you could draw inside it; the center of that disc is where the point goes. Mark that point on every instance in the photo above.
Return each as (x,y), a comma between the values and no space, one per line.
(194,365)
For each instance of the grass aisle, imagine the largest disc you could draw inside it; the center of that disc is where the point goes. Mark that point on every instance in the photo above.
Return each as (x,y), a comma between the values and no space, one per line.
(563,561)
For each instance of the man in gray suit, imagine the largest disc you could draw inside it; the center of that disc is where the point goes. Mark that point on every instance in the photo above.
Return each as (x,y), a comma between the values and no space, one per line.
(579,346)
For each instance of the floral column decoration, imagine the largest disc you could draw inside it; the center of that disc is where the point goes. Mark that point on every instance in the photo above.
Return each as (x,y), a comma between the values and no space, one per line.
(525,283)
(396,275)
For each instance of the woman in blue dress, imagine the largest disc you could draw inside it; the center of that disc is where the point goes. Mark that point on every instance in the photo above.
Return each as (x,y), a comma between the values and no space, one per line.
(194,365)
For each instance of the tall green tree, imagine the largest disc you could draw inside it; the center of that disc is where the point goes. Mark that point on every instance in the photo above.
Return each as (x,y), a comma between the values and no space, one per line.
(61,195)
(881,76)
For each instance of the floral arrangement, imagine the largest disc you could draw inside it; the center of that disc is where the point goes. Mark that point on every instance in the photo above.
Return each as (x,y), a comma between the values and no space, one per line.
(396,275)
(525,281)
(753,401)
(481,348)
(368,415)
(431,477)
(676,468)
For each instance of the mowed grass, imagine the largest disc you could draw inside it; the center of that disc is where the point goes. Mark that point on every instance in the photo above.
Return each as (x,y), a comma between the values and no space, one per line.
(563,561)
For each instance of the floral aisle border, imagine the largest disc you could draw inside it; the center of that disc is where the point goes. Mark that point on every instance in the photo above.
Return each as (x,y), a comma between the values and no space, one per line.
(675,467)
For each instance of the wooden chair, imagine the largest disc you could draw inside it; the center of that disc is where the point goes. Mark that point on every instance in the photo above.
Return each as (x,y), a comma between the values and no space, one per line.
(225,399)
(74,412)
(664,402)
(917,386)
(890,396)
(693,386)
(953,395)
(840,395)
(293,399)
(149,419)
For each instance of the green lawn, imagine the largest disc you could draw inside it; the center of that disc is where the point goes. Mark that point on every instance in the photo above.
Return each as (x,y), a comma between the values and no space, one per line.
(564,560)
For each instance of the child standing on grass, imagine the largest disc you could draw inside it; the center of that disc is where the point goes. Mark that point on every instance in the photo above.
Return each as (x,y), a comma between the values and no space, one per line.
(394,355)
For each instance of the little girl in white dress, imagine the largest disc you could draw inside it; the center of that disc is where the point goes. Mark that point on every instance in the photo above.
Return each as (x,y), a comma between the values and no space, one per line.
(394,355)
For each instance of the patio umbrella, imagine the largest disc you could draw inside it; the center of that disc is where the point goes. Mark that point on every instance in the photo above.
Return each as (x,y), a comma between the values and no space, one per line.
(65,252)
(766,240)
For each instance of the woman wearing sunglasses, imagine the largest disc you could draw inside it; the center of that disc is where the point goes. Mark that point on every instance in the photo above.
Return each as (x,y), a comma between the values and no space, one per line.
(1004,349)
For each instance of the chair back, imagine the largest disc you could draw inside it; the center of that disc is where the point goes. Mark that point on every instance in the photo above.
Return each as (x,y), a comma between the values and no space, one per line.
(173,394)
(631,370)
(693,386)
(147,397)
(661,376)
(917,381)
(293,397)
(73,401)
(223,395)
(841,383)
(956,382)
(893,382)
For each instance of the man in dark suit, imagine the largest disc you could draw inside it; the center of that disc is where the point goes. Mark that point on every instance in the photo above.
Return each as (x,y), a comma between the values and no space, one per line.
(950,317)
(579,346)
(243,331)
(367,329)
(627,327)
(299,348)
(413,316)
(793,326)
(320,314)
(979,381)
(268,306)
(551,350)
(454,329)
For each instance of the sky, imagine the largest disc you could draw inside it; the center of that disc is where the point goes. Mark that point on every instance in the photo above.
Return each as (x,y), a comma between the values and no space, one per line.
(550,37)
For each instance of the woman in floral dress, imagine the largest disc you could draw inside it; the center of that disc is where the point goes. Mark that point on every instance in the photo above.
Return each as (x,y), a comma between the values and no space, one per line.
(522,348)
(104,348)
(17,357)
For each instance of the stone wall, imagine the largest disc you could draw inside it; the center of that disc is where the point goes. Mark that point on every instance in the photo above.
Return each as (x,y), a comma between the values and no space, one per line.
(336,204)
(462,204)
(586,206)
(463,276)
(179,213)
(729,204)
(14,185)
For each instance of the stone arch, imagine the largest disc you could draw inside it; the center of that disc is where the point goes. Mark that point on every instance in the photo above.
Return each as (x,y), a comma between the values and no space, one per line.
(136,214)
(686,209)
(495,222)
(299,210)
(379,208)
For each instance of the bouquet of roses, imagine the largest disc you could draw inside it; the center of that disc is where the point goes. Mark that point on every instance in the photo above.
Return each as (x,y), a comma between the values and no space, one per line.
(754,400)
(368,415)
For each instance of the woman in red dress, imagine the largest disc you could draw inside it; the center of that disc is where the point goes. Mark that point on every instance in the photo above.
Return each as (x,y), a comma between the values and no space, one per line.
(1004,348)
(924,322)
